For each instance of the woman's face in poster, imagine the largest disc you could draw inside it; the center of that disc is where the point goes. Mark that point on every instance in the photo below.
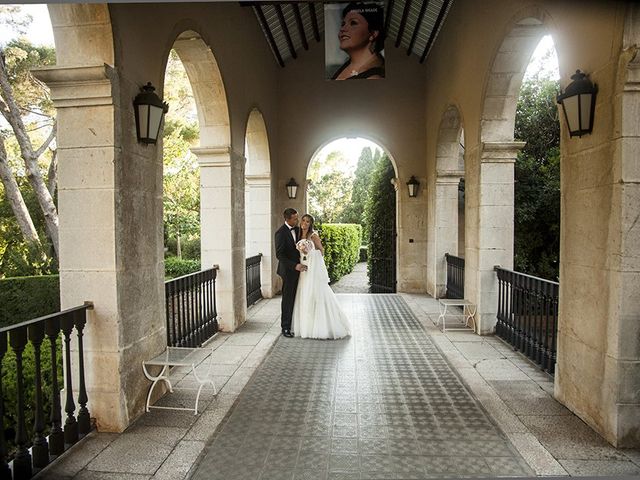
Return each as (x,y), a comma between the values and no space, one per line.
(354,33)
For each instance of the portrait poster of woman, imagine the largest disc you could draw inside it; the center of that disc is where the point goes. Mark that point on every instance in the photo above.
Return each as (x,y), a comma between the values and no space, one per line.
(354,41)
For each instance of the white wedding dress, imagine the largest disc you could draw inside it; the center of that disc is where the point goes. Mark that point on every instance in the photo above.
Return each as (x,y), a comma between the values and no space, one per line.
(316,311)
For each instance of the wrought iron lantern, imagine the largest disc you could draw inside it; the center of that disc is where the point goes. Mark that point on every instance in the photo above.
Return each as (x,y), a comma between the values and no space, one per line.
(292,189)
(149,110)
(413,185)
(578,104)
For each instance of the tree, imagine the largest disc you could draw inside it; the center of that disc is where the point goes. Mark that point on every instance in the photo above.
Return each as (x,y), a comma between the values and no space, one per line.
(354,212)
(330,188)
(537,175)
(27,160)
(181,180)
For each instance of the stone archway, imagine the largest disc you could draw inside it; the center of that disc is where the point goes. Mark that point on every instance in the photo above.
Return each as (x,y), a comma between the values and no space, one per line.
(221,179)
(390,281)
(449,172)
(489,186)
(258,193)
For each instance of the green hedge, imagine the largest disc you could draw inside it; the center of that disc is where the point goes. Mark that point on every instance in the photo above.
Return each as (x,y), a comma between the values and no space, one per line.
(25,298)
(174,267)
(341,243)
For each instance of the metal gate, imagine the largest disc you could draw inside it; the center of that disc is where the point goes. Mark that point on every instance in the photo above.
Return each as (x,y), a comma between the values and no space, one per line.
(382,263)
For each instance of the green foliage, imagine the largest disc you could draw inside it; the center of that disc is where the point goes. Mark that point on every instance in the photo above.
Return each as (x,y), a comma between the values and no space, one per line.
(341,244)
(175,267)
(190,248)
(330,188)
(537,174)
(25,298)
(354,212)
(181,181)
(380,217)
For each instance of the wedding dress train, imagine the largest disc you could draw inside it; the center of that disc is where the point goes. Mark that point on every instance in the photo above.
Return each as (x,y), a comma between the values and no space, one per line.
(316,311)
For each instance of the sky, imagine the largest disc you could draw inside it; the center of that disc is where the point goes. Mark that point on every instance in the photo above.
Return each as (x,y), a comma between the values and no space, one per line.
(39,32)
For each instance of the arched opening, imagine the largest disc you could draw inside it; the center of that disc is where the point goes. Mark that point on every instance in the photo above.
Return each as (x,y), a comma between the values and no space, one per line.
(181,174)
(258,198)
(354,181)
(221,179)
(449,197)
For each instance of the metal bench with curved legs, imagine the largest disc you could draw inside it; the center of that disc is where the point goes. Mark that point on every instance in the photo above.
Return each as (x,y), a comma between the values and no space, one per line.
(179,357)
(468,312)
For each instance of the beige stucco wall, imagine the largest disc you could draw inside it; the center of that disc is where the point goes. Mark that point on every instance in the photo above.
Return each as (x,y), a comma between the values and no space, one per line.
(313,111)
(594,376)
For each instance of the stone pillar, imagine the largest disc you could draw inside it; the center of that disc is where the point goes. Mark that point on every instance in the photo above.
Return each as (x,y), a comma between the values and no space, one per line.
(489,205)
(446,225)
(222,229)
(258,226)
(110,217)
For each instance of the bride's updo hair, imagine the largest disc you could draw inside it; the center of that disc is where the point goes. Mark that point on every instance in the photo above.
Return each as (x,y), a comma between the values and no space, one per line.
(311,222)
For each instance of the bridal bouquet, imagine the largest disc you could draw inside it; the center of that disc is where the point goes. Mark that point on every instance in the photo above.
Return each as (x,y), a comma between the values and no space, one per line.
(304,247)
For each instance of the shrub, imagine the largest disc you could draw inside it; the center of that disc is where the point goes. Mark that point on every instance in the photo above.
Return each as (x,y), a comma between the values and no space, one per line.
(380,218)
(25,298)
(363,253)
(191,249)
(341,243)
(175,267)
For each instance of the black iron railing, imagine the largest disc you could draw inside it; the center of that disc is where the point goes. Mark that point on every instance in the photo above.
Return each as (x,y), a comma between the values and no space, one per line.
(254,291)
(528,315)
(43,436)
(190,303)
(455,276)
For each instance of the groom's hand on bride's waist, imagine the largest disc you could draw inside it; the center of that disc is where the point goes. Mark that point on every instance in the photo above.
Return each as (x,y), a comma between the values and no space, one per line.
(301,268)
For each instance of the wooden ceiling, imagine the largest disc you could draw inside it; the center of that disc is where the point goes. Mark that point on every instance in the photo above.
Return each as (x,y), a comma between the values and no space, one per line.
(290,26)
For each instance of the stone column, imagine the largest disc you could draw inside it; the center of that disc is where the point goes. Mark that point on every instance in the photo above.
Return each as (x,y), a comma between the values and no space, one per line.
(446,225)
(110,217)
(258,221)
(222,229)
(490,224)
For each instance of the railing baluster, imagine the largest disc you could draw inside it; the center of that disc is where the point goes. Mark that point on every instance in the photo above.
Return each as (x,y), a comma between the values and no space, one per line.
(22,459)
(70,424)
(84,420)
(40,449)
(5,472)
(56,437)
(527,315)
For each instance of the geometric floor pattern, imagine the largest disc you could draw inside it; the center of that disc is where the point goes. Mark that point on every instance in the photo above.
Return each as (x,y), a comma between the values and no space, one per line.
(381,404)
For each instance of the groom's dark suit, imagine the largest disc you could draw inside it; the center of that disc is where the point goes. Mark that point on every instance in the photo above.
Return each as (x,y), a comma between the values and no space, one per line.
(288,257)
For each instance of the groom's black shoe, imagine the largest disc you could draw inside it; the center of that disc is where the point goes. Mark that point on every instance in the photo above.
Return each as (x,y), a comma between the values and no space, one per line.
(287,333)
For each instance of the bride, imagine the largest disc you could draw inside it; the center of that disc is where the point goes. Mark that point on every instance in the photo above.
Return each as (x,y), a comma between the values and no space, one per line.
(316,312)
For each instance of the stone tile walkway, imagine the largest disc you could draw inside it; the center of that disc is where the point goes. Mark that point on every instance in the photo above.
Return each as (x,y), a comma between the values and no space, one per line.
(355,282)
(381,404)
(414,370)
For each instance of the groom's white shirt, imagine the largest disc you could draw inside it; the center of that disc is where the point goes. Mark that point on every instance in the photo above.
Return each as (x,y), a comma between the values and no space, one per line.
(292,230)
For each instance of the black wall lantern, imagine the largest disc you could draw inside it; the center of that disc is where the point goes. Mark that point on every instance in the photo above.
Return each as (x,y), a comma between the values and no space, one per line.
(413,185)
(292,189)
(149,110)
(578,104)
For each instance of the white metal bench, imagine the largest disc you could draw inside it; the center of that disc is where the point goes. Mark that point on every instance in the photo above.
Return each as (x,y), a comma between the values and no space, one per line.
(179,357)
(468,312)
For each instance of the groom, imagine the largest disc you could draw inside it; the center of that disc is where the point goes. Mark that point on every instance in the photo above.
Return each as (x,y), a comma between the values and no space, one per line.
(289,266)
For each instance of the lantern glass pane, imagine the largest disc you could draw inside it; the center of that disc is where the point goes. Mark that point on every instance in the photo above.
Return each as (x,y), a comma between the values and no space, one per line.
(585,110)
(571,109)
(155,118)
(143,118)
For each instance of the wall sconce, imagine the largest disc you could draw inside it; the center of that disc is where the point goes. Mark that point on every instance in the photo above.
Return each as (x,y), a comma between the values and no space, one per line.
(292,189)
(149,110)
(579,103)
(413,185)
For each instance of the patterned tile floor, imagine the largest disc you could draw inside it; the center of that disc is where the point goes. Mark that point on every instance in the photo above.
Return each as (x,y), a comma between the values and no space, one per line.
(382,404)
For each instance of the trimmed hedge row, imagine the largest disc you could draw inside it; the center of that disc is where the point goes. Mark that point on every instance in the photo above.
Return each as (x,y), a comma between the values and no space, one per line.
(25,298)
(341,243)
(174,267)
